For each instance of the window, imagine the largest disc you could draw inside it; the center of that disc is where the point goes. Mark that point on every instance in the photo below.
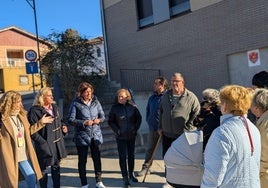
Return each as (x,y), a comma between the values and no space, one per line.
(98,52)
(24,80)
(152,12)
(13,56)
(145,12)
(11,62)
(178,6)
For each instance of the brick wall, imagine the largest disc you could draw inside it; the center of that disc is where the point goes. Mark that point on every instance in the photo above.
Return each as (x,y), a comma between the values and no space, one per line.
(196,44)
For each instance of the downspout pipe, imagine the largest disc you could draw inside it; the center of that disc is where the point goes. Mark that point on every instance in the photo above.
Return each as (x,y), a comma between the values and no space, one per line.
(105,40)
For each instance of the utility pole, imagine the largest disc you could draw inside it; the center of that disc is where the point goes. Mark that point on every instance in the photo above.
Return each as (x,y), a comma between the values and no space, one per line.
(37,40)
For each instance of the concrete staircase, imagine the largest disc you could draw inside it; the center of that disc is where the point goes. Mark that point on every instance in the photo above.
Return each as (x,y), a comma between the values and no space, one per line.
(106,94)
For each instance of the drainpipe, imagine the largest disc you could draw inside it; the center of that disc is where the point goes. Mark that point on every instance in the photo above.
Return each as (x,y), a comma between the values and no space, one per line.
(105,39)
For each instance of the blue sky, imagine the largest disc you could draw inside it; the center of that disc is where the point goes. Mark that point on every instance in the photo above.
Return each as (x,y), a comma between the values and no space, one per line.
(53,16)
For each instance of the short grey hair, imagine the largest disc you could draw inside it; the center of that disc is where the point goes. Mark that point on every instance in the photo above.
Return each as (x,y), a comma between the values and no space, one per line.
(260,99)
(177,74)
(211,95)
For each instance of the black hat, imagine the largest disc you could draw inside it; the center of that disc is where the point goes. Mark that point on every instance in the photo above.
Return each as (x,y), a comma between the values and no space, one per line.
(260,79)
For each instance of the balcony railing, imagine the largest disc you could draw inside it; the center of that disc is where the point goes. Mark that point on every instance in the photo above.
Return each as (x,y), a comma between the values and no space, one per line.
(12,62)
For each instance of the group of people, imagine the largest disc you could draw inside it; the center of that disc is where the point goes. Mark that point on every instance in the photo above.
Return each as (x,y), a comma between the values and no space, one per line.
(30,142)
(229,126)
(219,142)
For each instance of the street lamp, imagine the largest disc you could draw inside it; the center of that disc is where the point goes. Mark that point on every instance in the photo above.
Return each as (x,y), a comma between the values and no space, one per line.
(37,39)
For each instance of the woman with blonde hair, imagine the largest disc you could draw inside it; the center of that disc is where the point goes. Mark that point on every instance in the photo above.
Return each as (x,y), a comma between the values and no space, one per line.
(259,107)
(17,154)
(48,141)
(125,121)
(232,154)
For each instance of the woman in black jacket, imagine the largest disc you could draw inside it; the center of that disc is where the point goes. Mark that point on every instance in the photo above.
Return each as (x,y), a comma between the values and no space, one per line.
(125,120)
(48,141)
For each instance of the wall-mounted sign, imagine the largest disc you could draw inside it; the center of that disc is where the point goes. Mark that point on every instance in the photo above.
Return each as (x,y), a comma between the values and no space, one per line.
(254,58)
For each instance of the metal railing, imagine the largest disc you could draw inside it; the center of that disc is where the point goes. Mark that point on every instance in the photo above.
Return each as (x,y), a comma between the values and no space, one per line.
(12,62)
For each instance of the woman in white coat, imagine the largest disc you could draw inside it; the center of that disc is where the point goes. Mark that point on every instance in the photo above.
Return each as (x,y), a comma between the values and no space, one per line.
(232,155)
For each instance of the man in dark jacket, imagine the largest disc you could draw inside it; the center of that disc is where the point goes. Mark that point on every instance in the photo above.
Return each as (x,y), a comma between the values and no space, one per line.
(152,118)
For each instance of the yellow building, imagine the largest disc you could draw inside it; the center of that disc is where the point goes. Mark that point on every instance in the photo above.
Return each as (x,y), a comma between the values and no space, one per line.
(14,42)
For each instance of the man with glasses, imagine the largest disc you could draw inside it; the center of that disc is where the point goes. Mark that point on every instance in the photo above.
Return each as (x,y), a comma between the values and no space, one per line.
(177,111)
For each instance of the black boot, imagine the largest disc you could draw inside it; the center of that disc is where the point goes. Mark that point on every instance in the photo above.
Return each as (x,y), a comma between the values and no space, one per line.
(126,182)
(143,170)
(132,177)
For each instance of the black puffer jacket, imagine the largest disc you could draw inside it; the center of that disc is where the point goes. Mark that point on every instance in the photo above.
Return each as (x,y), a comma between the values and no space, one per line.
(48,141)
(125,120)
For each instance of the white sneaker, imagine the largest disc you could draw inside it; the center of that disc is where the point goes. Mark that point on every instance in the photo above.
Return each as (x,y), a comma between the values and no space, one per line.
(166,185)
(100,185)
(85,186)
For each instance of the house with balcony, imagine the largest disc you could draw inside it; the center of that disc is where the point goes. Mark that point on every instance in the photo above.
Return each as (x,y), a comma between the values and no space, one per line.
(14,42)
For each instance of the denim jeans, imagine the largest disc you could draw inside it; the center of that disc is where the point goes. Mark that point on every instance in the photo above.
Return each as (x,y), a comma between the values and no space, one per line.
(28,173)
(82,152)
(126,150)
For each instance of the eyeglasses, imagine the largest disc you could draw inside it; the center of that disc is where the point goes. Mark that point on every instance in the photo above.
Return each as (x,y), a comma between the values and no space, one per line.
(176,81)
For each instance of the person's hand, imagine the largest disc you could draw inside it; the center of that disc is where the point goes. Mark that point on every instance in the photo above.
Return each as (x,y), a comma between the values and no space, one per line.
(64,129)
(160,131)
(96,121)
(46,119)
(88,122)
(118,133)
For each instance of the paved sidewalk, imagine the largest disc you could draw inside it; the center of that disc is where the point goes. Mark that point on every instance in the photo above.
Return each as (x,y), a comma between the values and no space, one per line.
(111,173)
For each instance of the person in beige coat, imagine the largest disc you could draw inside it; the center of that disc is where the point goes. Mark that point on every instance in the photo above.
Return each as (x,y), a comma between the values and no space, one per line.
(259,107)
(17,155)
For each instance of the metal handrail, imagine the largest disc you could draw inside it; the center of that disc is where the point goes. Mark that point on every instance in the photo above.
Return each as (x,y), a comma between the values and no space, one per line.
(12,62)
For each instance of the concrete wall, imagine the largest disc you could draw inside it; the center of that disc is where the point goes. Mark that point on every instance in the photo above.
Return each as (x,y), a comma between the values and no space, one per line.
(141,99)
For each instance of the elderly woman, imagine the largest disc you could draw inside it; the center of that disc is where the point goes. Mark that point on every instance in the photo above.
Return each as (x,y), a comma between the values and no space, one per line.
(232,155)
(48,141)
(17,154)
(259,107)
(125,120)
(209,117)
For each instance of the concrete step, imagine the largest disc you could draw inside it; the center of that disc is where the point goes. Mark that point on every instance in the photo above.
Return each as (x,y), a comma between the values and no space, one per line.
(106,94)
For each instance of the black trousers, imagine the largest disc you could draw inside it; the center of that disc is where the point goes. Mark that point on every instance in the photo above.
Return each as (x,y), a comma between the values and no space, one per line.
(183,186)
(126,151)
(55,174)
(166,143)
(82,152)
